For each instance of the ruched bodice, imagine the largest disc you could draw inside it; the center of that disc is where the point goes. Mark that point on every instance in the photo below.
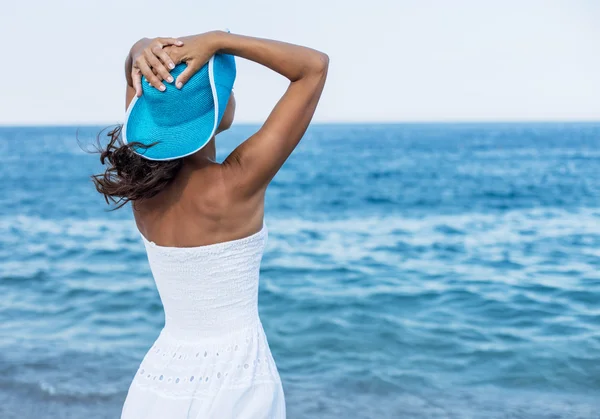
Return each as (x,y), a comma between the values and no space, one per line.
(212,358)
(208,290)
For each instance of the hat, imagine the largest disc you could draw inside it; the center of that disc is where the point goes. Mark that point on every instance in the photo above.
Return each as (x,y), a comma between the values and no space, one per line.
(180,121)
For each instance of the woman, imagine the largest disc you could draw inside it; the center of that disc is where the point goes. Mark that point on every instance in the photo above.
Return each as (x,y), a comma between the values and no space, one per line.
(202,225)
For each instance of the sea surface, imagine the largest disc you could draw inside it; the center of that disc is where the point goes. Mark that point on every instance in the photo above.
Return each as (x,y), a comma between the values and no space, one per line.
(412,271)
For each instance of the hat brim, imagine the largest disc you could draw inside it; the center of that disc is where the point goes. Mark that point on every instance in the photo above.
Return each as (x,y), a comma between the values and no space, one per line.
(171,142)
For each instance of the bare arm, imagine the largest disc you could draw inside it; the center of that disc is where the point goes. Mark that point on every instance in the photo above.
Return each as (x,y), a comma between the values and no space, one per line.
(256,161)
(253,164)
(130,89)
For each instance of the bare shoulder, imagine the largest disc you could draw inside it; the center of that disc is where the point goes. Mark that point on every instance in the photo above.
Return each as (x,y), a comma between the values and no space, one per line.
(219,193)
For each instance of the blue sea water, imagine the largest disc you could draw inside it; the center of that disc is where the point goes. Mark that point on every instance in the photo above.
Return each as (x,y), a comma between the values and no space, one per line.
(412,271)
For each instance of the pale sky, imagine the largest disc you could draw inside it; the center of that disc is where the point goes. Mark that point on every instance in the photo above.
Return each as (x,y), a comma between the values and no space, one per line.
(390,60)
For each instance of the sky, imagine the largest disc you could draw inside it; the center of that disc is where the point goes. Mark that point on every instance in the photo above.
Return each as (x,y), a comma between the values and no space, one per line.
(390,60)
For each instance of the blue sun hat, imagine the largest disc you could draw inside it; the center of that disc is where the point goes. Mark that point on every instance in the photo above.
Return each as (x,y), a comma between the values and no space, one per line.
(180,121)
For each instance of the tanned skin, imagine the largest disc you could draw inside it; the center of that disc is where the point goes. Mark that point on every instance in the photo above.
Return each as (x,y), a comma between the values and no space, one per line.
(209,202)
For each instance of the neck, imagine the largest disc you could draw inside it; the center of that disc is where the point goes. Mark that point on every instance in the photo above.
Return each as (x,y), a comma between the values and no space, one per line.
(206,156)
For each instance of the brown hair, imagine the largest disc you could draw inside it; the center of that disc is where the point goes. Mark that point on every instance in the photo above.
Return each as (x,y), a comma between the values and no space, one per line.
(128,176)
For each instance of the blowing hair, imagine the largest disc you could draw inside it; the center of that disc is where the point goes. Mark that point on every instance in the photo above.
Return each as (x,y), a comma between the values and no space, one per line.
(128,176)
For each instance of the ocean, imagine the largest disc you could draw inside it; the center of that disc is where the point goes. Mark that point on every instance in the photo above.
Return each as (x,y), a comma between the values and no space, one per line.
(411,271)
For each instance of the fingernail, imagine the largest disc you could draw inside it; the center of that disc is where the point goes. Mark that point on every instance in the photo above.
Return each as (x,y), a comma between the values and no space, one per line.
(179,85)
(171,65)
(162,87)
(179,42)
(170,79)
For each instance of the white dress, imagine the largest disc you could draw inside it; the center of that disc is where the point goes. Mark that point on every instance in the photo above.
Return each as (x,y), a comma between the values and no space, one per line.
(212,358)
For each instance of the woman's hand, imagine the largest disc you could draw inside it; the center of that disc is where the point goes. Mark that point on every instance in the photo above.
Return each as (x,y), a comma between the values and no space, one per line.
(149,59)
(195,52)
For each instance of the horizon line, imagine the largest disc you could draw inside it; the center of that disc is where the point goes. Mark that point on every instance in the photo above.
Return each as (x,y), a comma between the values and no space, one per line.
(400,122)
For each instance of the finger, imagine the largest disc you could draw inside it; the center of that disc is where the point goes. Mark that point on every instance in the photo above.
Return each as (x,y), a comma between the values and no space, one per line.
(174,54)
(160,69)
(170,41)
(147,72)
(136,76)
(164,58)
(189,71)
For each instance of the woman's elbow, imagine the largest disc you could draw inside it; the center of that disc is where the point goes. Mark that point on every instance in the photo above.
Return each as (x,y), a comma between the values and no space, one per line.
(315,65)
(322,63)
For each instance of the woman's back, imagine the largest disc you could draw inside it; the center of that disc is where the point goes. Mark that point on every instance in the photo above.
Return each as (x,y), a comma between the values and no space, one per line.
(205,254)
(199,207)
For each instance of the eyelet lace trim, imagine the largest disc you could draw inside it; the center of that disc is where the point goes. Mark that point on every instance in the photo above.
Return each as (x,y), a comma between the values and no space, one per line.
(182,369)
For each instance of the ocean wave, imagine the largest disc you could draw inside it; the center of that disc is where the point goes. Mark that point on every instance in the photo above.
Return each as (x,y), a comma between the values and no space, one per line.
(437,271)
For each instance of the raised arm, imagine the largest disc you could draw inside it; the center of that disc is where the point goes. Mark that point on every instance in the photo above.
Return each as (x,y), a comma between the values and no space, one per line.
(256,161)
(252,165)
